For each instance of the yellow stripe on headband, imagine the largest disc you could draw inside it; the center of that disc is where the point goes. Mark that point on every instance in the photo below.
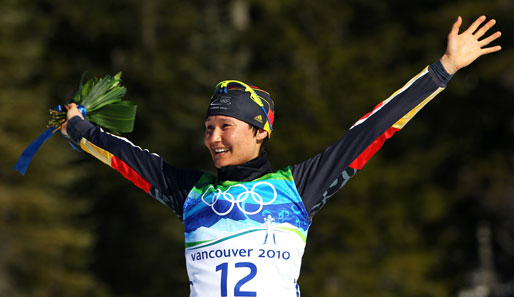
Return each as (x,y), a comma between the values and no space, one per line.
(248,89)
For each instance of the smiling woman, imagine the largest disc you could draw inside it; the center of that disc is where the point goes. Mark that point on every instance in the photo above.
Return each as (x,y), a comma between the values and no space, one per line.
(250,207)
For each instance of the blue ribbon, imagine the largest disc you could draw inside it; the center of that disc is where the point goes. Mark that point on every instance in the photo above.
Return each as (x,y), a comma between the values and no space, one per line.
(82,110)
(27,155)
(31,150)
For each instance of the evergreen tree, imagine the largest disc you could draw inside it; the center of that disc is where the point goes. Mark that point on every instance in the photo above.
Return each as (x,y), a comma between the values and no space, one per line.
(45,249)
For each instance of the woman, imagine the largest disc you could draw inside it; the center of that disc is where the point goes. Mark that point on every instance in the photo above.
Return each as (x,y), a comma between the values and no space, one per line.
(246,228)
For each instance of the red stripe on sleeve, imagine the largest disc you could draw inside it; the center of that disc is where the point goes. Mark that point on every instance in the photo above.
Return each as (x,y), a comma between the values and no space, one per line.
(130,174)
(363,158)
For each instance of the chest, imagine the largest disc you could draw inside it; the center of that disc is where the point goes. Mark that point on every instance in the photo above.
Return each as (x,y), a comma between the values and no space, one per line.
(213,210)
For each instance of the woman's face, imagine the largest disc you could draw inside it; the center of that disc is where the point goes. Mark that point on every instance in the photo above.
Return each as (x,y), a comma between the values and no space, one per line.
(231,141)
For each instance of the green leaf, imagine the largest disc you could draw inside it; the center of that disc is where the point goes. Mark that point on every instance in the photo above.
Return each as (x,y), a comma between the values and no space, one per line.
(117,117)
(111,97)
(95,97)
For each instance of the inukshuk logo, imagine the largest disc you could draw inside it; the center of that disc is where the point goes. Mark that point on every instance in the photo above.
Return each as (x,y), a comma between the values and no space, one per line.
(238,195)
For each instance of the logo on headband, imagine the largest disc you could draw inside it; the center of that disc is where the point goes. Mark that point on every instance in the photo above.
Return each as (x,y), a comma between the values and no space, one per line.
(221,100)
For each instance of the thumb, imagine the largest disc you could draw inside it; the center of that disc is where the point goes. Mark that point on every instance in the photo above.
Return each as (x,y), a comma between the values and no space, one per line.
(456,26)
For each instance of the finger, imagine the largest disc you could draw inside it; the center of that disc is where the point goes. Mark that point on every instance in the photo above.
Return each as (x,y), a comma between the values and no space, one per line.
(489,39)
(489,50)
(484,28)
(473,27)
(456,26)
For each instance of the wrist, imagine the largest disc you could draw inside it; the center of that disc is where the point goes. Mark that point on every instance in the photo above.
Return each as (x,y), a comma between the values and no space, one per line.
(442,75)
(448,64)
(77,128)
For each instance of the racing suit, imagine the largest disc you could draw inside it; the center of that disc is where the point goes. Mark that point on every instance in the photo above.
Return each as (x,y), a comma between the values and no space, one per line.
(246,227)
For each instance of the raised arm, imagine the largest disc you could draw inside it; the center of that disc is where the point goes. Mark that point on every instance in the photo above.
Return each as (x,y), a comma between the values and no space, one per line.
(167,184)
(321,176)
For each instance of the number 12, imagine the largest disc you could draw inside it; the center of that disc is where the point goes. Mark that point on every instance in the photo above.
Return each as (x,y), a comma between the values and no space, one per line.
(237,289)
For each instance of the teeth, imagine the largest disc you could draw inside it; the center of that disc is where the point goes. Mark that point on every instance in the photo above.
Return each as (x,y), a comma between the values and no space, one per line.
(221,150)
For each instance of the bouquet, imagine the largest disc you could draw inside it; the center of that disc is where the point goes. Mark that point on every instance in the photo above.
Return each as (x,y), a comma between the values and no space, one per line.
(100,102)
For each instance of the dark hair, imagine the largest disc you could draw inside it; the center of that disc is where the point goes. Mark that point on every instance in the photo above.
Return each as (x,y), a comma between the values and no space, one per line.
(255,131)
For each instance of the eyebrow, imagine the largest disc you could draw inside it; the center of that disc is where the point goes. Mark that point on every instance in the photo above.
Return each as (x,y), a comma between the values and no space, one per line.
(209,119)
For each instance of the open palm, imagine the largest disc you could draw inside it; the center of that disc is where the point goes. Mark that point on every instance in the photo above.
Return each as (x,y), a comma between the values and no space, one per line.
(464,48)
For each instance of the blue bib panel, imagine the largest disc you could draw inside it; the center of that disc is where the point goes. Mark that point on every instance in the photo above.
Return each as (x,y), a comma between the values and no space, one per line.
(245,238)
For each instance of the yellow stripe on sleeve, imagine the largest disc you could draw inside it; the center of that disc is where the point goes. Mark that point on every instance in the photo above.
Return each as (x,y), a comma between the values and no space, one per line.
(406,118)
(97,152)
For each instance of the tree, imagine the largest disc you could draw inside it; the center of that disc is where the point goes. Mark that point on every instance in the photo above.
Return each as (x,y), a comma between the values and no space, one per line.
(45,250)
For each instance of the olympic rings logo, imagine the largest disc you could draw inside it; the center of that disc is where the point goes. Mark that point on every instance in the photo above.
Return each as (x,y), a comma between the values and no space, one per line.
(241,197)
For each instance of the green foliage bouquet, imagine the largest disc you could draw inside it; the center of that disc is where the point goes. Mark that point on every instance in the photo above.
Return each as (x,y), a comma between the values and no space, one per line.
(100,102)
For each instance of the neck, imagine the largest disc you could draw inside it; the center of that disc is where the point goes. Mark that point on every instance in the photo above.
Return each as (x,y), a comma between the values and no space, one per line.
(248,171)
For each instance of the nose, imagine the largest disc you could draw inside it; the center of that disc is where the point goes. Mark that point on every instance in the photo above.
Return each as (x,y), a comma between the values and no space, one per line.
(215,135)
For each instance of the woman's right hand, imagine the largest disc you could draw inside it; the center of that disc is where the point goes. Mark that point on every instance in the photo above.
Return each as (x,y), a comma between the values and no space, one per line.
(72,111)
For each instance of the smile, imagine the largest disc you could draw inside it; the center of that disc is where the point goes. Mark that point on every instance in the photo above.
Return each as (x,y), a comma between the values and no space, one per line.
(221,150)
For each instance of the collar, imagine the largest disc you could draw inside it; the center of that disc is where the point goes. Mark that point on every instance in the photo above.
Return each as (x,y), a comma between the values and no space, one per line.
(248,171)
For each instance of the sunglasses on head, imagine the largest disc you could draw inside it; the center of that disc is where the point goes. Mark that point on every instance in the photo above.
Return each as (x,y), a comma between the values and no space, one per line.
(223,87)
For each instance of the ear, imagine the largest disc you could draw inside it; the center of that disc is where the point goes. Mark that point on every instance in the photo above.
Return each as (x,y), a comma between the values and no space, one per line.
(261,135)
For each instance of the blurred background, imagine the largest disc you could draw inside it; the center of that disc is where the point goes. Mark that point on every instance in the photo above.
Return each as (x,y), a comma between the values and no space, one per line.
(430,215)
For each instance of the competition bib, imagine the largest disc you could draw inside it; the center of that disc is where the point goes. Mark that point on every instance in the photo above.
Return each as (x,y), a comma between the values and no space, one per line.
(245,238)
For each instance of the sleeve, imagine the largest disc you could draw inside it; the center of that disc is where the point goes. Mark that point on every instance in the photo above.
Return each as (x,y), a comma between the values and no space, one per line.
(146,170)
(321,176)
